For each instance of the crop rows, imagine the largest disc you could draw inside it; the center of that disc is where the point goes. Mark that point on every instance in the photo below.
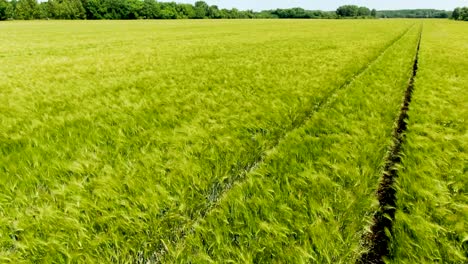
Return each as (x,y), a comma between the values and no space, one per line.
(219,141)
(106,150)
(432,202)
(313,195)
(377,241)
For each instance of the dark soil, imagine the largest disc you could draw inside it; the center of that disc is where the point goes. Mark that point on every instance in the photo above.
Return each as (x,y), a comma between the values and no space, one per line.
(379,239)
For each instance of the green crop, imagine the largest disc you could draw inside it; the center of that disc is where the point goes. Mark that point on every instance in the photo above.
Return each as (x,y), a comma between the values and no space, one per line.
(432,211)
(312,197)
(218,141)
(116,133)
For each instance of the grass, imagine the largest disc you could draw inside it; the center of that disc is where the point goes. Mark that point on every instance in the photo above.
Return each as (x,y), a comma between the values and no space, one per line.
(202,141)
(432,210)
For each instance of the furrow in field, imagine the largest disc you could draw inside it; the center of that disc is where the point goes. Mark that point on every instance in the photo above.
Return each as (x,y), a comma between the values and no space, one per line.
(302,202)
(431,215)
(220,189)
(378,240)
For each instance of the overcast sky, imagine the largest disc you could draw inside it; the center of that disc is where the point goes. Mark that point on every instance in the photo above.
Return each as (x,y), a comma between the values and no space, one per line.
(333,4)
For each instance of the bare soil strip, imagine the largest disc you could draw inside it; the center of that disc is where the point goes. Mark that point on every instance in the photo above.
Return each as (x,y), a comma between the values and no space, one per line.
(379,239)
(220,189)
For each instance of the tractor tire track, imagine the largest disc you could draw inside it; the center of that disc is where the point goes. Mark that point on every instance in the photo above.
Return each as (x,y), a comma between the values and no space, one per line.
(219,190)
(378,241)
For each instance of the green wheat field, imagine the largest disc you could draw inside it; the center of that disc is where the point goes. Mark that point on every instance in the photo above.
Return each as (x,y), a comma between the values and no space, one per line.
(242,141)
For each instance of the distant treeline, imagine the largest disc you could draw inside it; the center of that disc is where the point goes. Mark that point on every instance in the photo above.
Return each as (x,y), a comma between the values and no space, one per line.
(151,9)
(139,9)
(460,13)
(415,13)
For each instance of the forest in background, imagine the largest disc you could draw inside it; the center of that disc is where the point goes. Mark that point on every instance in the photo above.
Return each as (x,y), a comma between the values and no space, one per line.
(152,9)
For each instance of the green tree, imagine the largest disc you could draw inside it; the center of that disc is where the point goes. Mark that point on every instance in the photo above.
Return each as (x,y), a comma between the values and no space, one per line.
(115,9)
(151,9)
(348,11)
(42,11)
(4,7)
(168,10)
(364,11)
(374,13)
(213,12)
(201,9)
(104,9)
(11,10)
(26,9)
(94,9)
(456,13)
(185,11)
(66,9)
(463,14)
(132,9)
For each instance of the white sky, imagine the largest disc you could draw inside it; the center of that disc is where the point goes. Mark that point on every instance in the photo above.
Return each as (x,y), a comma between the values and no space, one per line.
(333,4)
